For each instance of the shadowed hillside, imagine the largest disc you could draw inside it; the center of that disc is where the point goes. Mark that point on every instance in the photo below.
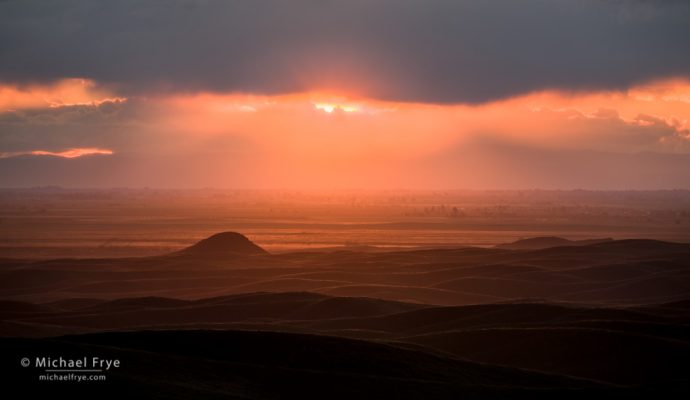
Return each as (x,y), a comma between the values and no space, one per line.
(548,241)
(612,272)
(261,365)
(616,345)
(604,317)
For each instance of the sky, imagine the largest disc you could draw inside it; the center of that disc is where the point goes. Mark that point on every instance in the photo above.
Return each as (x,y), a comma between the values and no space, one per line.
(481,94)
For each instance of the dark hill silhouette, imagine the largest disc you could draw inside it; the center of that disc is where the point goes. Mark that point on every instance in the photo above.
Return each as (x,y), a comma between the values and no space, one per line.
(632,272)
(544,242)
(340,307)
(140,303)
(614,311)
(599,354)
(270,365)
(645,246)
(10,308)
(224,243)
(156,311)
(621,345)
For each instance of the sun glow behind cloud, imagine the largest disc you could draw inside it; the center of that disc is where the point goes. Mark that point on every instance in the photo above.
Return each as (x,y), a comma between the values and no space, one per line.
(334,107)
(319,138)
(542,117)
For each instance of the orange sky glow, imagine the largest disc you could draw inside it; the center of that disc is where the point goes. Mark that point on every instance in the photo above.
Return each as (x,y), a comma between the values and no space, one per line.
(319,136)
(548,118)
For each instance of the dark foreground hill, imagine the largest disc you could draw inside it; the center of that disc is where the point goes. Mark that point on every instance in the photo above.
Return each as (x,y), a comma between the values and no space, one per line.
(629,346)
(265,365)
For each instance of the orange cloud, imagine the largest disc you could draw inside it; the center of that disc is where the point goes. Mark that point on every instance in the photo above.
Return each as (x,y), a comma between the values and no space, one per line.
(317,138)
(331,139)
(66,92)
(70,153)
(321,123)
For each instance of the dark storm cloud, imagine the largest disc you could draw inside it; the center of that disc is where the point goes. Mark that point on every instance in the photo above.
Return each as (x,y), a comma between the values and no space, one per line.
(435,50)
(111,124)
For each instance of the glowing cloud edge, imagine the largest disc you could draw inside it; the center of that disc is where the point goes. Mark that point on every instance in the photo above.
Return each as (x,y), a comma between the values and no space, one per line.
(69,153)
